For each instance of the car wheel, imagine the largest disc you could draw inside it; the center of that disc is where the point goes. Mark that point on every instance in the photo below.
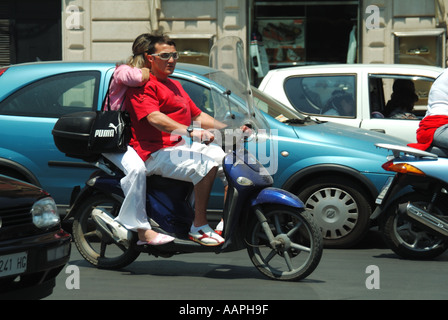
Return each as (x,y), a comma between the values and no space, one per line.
(339,209)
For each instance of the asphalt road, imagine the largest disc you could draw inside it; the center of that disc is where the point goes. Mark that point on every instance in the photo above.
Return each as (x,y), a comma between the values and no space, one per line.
(367,272)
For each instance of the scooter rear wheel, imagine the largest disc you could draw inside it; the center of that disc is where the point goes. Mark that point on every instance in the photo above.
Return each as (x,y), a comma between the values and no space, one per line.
(298,243)
(91,242)
(408,238)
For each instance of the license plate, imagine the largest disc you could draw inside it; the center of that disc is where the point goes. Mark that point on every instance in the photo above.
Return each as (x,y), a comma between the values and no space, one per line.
(13,264)
(380,198)
(58,253)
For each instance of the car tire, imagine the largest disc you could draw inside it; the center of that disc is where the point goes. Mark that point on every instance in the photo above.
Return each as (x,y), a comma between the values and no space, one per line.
(339,209)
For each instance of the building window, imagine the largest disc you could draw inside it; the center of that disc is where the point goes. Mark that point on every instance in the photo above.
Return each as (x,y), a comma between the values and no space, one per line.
(425,47)
(194,50)
(305,32)
(30,31)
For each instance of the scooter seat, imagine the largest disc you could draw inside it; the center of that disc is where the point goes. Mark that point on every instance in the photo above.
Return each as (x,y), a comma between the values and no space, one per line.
(441,152)
(160,182)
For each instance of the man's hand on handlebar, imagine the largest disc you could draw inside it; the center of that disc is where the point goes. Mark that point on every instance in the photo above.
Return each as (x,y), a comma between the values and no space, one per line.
(203,136)
(208,136)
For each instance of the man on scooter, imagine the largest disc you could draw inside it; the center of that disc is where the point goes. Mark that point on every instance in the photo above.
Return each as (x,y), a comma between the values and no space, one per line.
(161,113)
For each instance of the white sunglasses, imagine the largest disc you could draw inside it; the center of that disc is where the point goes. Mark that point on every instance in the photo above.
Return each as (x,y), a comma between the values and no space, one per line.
(167,55)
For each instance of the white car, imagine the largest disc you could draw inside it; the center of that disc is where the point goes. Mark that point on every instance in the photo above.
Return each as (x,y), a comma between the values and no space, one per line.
(309,89)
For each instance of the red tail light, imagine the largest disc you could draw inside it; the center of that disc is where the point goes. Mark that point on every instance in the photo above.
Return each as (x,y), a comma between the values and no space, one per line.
(2,71)
(386,165)
(403,167)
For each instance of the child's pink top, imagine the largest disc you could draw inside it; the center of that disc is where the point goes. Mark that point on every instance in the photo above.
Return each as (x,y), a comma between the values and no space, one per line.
(124,76)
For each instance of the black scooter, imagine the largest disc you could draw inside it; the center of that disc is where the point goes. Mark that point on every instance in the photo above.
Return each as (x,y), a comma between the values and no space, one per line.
(412,206)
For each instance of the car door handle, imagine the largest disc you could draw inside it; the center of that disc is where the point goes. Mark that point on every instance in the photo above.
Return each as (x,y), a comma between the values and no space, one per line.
(70,164)
(379,130)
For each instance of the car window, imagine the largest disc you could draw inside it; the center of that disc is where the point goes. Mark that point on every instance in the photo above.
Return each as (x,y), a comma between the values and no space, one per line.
(274,108)
(205,99)
(199,94)
(411,94)
(329,95)
(202,97)
(54,96)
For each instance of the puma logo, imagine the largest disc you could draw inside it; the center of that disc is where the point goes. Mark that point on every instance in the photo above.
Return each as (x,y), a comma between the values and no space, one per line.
(106,133)
(111,125)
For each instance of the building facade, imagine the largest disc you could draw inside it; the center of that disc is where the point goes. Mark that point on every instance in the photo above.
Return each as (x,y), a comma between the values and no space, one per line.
(276,33)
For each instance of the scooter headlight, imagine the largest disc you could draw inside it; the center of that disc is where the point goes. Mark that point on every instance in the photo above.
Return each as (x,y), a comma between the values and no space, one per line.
(45,213)
(243,181)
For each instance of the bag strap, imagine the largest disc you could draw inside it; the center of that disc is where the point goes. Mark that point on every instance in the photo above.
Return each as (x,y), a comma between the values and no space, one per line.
(106,98)
(122,102)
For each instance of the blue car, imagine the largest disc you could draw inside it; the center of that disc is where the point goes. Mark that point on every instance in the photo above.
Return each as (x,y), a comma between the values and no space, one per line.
(335,169)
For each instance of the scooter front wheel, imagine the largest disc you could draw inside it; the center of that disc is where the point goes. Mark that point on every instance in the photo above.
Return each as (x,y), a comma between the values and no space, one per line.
(284,243)
(95,246)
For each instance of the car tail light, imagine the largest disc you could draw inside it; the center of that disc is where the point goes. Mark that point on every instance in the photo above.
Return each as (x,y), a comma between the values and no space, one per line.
(402,167)
(2,71)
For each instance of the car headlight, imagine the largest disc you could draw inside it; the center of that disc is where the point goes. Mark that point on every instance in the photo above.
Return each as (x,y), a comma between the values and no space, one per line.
(45,213)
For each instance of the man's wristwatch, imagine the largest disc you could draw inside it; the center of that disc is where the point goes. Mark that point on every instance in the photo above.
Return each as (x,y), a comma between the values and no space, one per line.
(190,130)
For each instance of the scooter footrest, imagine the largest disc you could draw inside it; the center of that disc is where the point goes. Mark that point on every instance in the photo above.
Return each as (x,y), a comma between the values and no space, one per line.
(176,247)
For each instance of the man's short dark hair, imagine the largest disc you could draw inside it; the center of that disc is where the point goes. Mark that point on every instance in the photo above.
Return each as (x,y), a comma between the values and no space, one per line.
(159,39)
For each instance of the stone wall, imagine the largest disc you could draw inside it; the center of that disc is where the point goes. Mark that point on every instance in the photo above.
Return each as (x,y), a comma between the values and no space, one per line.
(105,29)
(398,17)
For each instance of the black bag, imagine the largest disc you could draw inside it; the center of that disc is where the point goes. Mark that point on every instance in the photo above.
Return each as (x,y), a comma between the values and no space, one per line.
(111,130)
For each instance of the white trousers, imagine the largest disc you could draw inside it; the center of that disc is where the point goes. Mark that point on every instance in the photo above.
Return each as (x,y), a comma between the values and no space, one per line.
(132,214)
(187,162)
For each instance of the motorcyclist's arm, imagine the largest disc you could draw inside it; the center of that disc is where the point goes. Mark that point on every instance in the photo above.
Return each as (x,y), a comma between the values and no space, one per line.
(208,122)
(164,123)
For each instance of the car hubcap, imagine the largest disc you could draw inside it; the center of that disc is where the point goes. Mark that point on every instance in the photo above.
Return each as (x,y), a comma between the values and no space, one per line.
(334,210)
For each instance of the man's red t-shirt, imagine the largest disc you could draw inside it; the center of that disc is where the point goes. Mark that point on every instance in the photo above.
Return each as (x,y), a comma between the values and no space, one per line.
(167,97)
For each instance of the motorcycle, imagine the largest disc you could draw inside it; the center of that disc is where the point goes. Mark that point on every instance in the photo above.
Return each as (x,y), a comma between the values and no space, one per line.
(412,206)
(281,238)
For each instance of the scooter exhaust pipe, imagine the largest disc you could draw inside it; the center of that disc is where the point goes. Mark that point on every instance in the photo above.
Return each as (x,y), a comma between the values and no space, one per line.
(427,219)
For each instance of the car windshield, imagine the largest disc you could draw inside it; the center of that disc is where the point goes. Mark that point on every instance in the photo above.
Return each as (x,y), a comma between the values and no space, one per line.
(261,101)
(231,102)
(229,83)
(276,109)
